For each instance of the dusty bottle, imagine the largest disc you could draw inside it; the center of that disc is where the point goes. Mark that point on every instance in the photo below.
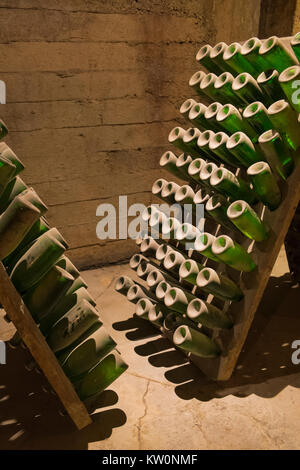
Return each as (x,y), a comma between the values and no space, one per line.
(223,85)
(268,82)
(68,266)
(13,189)
(206,314)
(158,186)
(77,284)
(170,227)
(197,116)
(204,59)
(161,290)
(247,88)
(257,116)
(295,43)
(201,196)
(250,51)
(142,307)
(168,192)
(247,221)
(176,138)
(172,261)
(230,185)
(289,82)
(265,184)
(162,252)
(177,299)
(149,246)
(135,261)
(137,292)
(231,120)
(195,80)
(277,154)
(66,303)
(203,245)
(232,253)
(41,298)
(195,342)
(101,376)
(243,149)
(219,285)
(189,270)
(157,314)
(7,152)
(37,260)
(217,145)
(7,172)
(236,61)
(123,284)
(274,52)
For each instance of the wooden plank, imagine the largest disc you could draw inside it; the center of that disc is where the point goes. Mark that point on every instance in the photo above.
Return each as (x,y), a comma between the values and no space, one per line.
(18,313)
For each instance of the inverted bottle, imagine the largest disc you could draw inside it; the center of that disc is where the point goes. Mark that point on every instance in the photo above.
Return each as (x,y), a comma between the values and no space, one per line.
(247,221)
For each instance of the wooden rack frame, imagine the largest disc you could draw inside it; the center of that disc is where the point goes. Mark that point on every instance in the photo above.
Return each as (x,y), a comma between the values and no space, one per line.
(34,340)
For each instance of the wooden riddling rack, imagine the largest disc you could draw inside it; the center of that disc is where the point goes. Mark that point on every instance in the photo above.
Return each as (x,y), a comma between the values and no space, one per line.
(252,284)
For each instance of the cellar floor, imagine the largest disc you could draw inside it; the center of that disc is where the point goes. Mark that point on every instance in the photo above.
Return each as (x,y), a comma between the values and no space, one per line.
(163,402)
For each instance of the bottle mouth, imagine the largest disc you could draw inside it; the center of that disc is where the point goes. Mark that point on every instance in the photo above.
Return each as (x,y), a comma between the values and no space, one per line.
(213,203)
(268,44)
(295,40)
(187,232)
(196,166)
(250,45)
(225,77)
(121,283)
(204,138)
(183,159)
(218,50)
(206,276)
(158,185)
(266,76)
(191,134)
(236,209)
(253,108)
(209,79)
(201,197)
(218,139)
(225,111)
(197,110)
(154,277)
(187,105)
(236,139)
(221,244)
(162,251)
(154,315)
(182,334)
(176,133)
(161,290)
(167,157)
(241,80)
(195,308)
(133,292)
(146,244)
(268,136)
(169,188)
(171,296)
(188,267)
(204,51)
(289,74)
(183,192)
(231,50)
(212,110)
(207,171)
(143,306)
(258,168)
(135,260)
(204,241)
(196,78)
(146,214)
(171,260)
(277,107)
(217,176)
(170,225)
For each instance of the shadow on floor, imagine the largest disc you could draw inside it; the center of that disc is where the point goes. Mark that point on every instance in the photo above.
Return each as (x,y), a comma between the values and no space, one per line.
(29,416)
(264,366)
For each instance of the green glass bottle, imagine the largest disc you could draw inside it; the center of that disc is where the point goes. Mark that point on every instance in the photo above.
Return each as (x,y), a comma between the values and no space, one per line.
(173,320)
(247,88)
(203,245)
(72,325)
(101,376)
(41,298)
(216,207)
(177,299)
(7,172)
(170,227)
(186,107)
(88,353)
(210,116)
(195,342)
(277,154)
(195,168)
(154,277)
(68,266)
(295,43)
(189,270)
(231,120)
(168,192)
(150,246)
(195,80)
(190,140)
(3,130)
(243,149)
(185,195)
(265,184)
(203,145)
(134,262)
(187,233)
(219,285)
(217,56)
(232,253)
(15,223)
(12,189)
(37,260)
(217,145)
(66,303)
(201,196)
(250,51)
(206,314)
(77,284)
(161,290)
(236,61)
(289,80)
(173,261)
(176,138)
(223,85)
(6,151)
(33,198)
(157,187)
(197,116)
(247,221)
(206,172)
(275,53)
(142,307)
(268,82)
(204,59)
(137,292)
(225,182)
(207,87)
(183,162)
(285,120)
(257,116)
(168,162)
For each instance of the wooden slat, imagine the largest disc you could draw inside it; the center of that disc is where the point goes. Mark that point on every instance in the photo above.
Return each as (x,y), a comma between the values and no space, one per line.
(38,347)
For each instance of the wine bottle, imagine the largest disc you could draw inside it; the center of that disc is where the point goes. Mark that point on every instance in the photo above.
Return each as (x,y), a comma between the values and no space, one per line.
(172,262)
(176,138)
(203,144)
(247,88)
(287,80)
(168,192)
(195,342)
(157,314)
(195,168)
(204,59)
(189,270)
(217,56)
(12,189)
(217,145)
(206,172)
(274,52)
(190,139)
(268,82)
(197,116)
(204,313)
(203,245)
(195,80)
(168,162)
(236,61)
(158,186)
(230,185)
(161,290)
(247,221)
(219,285)
(137,292)
(142,307)
(183,163)
(250,51)
(68,266)
(185,195)
(207,87)
(210,116)
(223,85)
(276,153)
(216,207)
(3,129)
(6,151)
(265,184)
(243,149)
(257,116)
(231,120)
(295,43)
(7,172)
(285,120)
(177,299)
(232,253)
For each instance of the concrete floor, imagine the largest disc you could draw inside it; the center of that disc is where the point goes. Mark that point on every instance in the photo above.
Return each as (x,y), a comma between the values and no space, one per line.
(163,402)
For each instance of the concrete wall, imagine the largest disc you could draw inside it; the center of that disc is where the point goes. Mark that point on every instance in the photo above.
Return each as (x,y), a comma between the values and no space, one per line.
(93,88)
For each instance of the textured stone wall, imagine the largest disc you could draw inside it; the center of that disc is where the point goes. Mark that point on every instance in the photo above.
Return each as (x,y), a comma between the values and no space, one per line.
(93,88)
